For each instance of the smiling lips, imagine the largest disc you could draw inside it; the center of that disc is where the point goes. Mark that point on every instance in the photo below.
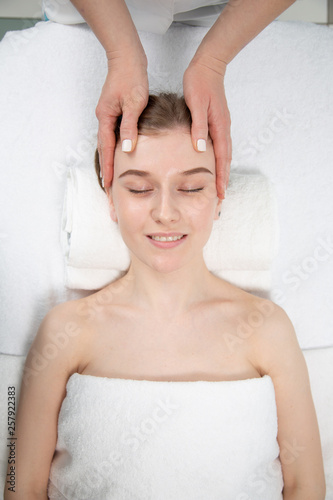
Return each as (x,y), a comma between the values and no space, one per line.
(166,236)
(166,240)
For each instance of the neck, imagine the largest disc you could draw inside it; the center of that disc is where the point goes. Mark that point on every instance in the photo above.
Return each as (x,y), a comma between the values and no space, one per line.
(168,294)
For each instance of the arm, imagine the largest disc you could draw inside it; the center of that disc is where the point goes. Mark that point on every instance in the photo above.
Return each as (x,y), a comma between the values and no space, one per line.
(111,22)
(239,22)
(126,88)
(278,354)
(43,388)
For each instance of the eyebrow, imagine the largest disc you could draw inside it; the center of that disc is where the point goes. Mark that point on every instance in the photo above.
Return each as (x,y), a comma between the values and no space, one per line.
(143,173)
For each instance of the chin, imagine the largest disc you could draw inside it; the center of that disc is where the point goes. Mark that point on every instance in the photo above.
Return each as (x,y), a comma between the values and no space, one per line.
(165,267)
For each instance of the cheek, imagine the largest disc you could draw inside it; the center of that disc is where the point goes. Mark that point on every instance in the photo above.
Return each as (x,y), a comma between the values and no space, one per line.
(130,213)
(203,206)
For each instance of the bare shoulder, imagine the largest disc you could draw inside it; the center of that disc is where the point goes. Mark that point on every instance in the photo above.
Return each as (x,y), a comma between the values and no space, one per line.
(60,339)
(274,340)
(265,329)
(62,317)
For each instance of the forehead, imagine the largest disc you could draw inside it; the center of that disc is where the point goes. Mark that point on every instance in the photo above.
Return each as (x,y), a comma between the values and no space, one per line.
(165,154)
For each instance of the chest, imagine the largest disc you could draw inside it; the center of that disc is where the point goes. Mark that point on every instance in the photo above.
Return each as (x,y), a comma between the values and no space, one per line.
(199,346)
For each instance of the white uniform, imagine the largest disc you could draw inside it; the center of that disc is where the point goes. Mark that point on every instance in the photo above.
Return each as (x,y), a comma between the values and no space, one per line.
(154,16)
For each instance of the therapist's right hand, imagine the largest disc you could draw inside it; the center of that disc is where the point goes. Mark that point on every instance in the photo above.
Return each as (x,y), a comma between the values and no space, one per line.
(125,92)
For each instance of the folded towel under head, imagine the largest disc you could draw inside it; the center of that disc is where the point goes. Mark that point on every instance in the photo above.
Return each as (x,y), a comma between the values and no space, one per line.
(240,249)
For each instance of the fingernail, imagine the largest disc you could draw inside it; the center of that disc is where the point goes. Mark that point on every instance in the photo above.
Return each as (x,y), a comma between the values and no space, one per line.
(103,182)
(201,145)
(126,145)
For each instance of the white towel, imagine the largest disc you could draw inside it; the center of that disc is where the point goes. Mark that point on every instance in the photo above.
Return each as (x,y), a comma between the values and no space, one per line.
(245,238)
(124,439)
(319,363)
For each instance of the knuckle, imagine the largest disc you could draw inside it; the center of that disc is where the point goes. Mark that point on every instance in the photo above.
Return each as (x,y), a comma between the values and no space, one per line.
(101,110)
(136,99)
(98,112)
(128,130)
(108,108)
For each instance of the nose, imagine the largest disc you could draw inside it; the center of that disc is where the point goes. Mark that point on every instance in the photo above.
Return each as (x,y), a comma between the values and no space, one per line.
(165,209)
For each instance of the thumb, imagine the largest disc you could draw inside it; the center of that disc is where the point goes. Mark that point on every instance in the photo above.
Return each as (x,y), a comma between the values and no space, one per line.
(199,129)
(129,130)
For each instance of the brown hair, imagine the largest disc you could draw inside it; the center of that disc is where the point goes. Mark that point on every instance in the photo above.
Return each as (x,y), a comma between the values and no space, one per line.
(165,111)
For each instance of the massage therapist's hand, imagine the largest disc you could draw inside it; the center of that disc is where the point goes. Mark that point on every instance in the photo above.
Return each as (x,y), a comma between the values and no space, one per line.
(203,85)
(125,92)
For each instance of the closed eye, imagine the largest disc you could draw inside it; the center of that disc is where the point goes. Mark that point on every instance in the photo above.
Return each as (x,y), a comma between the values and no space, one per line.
(135,191)
(191,190)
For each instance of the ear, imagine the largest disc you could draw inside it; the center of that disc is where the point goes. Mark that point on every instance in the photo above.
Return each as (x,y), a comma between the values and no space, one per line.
(218,209)
(113,213)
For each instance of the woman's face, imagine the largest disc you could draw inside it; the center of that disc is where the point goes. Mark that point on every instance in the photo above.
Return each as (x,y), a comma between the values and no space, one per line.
(164,189)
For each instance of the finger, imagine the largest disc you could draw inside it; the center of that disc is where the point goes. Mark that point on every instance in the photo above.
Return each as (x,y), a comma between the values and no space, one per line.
(199,129)
(129,130)
(108,167)
(221,151)
(129,127)
(106,147)
(105,136)
(131,111)
(229,162)
(220,186)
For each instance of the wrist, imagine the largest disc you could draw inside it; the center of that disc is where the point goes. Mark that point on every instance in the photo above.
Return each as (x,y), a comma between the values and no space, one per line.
(127,55)
(210,61)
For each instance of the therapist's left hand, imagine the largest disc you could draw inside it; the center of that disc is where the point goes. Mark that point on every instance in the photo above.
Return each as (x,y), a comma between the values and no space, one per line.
(203,86)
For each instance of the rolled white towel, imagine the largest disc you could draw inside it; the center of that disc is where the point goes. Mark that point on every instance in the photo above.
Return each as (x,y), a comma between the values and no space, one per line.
(240,249)
(94,249)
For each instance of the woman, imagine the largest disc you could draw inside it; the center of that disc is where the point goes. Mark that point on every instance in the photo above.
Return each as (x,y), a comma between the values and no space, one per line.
(175,378)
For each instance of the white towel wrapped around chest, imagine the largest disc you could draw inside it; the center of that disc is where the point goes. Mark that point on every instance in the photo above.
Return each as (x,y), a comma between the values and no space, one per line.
(121,439)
